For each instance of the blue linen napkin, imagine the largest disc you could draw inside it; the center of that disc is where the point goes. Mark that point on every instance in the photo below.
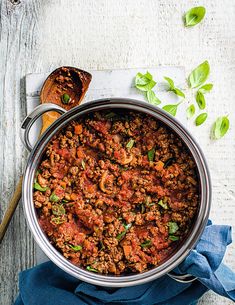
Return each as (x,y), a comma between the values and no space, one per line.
(46,284)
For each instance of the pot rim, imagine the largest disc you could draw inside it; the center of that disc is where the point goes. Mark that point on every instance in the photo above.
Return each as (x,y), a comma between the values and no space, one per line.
(107,280)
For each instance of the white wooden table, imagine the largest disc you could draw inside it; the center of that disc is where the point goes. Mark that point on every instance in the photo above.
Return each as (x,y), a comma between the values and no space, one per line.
(39,35)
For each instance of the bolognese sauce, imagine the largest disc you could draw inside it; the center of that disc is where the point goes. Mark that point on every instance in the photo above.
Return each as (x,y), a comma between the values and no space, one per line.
(115,192)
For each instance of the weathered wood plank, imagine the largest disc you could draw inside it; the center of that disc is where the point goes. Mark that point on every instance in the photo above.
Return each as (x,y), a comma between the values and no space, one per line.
(36,36)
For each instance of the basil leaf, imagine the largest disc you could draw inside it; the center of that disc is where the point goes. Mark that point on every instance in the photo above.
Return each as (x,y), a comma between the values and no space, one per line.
(199,75)
(201,119)
(163,204)
(173,88)
(128,226)
(65,98)
(130,143)
(179,92)
(190,111)
(76,248)
(151,154)
(144,82)
(173,237)
(170,82)
(194,16)
(58,220)
(58,210)
(200,99)
(146,244)
(38,187)
(172,109)
(152,99)
(89,268)
(173,227)
(54,198)
(220,127)
(206,88)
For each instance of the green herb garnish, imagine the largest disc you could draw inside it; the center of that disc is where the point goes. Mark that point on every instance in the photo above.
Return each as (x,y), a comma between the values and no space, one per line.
(199,75)
(76,248)
(144,82)
(89,268)
(220,127)
(163,204)
(58,220)
(152,98)
(65,98)
(201,119)
(58,209)
(64,201)
(173,237)
(172,109)
(130,143)
(205,88)
(146,244)
(151,154)
(173,227)
(38,187)
(200,99)
(190,111)
(54,198)
(127,227)
(172,87)
(194,16)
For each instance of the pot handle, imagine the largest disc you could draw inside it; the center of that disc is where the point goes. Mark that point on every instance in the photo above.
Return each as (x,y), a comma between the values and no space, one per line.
(32,117)
(182,278)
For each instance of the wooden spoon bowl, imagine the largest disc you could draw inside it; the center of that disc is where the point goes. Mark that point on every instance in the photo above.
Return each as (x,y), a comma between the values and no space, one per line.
(66,87)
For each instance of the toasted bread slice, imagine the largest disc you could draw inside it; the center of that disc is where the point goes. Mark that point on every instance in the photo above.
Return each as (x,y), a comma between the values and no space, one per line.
(66,87)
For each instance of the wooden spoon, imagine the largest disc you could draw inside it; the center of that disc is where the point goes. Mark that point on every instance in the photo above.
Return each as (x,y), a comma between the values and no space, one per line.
(66,87)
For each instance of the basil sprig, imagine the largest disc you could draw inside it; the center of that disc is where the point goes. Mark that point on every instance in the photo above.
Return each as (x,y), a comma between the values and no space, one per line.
(200,119)
(199,75)
(220,127)
(190,111)
(194,16)
(172,87)
(172,109)
(145,83)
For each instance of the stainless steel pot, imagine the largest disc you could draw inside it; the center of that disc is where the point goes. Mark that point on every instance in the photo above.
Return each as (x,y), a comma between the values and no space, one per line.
(34,160)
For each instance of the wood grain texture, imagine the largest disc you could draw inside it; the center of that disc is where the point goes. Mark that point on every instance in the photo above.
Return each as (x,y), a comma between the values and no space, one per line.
(39,35)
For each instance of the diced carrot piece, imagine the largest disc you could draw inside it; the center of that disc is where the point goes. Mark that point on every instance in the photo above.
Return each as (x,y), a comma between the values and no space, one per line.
(127,250)
(159,166)
(80,153)
(63,184)
(78,129)
(74,196)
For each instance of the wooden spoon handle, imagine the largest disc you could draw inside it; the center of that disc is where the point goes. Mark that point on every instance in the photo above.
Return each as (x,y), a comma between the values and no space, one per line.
(10,209)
